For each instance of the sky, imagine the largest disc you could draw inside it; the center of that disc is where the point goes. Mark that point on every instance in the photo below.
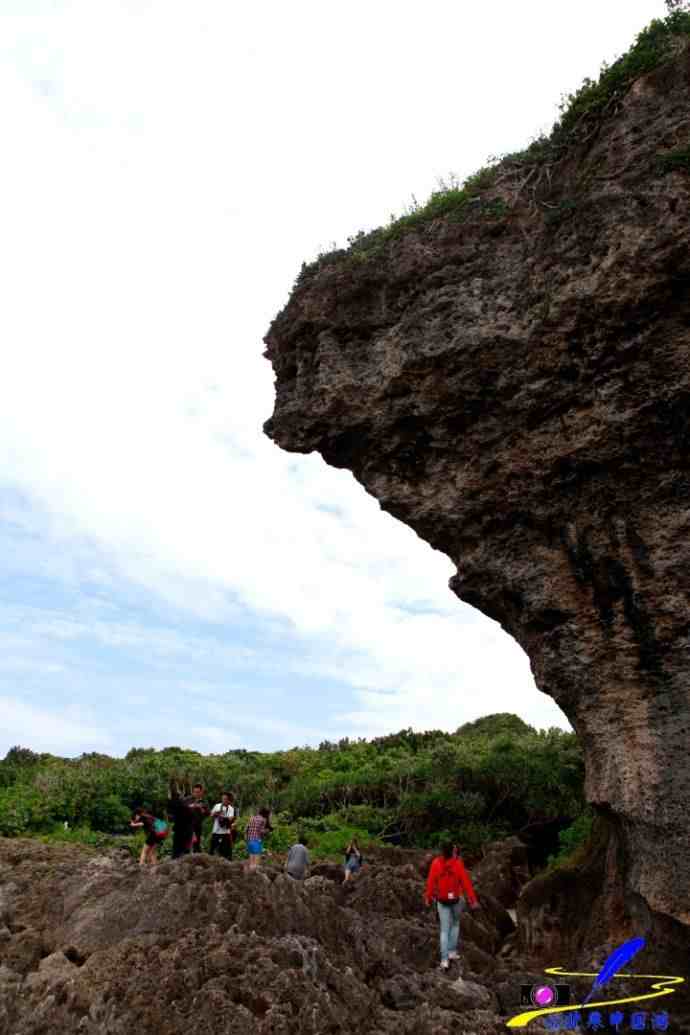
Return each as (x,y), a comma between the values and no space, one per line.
(168,576)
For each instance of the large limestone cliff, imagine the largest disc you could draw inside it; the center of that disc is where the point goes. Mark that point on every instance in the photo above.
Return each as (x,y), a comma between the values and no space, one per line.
(515,386)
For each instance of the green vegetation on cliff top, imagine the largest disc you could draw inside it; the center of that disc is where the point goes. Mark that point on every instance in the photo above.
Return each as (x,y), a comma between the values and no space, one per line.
(485,781)
(579,112)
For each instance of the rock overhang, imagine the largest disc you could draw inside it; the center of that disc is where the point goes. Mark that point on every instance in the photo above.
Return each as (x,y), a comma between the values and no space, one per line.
(515,386)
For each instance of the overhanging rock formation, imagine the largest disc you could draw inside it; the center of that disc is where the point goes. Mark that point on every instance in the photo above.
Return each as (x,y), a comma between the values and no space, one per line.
(514,384)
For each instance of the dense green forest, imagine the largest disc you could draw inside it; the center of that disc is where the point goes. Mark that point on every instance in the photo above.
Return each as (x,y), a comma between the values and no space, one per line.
(488,779)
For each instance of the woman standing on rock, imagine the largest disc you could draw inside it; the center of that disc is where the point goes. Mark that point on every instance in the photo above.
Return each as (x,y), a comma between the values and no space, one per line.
(257,828)
(353,860)
(143,820)
(447,882)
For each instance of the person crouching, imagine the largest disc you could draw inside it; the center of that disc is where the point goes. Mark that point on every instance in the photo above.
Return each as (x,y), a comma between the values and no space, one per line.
(297,865)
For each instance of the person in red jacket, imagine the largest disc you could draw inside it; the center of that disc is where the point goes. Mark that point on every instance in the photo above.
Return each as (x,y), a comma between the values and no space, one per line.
(447,883)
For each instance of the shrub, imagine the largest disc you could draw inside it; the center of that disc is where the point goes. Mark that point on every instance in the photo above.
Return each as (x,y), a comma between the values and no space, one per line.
(486,780)
(455,201)
(332,843)
(572,840)
(110,814)
(649,50)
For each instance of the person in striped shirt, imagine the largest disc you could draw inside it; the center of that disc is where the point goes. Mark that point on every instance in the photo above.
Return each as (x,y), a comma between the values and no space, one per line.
(257,828)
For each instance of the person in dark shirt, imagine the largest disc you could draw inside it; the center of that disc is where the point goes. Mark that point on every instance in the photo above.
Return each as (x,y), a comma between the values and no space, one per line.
(187,815)
(199,810)
(181,820)
(144,820)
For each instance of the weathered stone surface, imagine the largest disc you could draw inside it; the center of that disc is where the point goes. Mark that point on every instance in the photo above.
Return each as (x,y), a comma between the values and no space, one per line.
(105,948)
(503,870)
(331,871)
(517,390)
(500,917)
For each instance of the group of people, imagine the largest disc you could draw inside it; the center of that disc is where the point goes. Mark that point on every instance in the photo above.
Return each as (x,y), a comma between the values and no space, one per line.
(187,815)
(448,883)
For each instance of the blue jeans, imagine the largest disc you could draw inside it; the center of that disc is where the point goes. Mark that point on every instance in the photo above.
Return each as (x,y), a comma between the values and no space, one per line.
(449,917)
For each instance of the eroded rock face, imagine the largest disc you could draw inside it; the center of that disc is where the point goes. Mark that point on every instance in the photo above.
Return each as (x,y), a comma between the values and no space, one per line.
(517,390)
(92,945)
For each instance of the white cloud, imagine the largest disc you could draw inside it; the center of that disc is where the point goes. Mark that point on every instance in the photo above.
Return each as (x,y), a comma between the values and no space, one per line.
(19,664)
(215,739)
(255,724)
(72,731)
(166,170)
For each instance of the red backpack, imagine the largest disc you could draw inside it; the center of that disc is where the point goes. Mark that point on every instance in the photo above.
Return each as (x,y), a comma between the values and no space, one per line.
(448,883)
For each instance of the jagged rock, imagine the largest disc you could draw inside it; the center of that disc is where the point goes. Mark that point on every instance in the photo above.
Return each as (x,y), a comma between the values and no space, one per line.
(399,993)
(503,870)
(331,871)
(473,995)
(510,946)
(318,883)
(53,972)
(500,917)
(553,906)
(391,855)
(478,960)
(197,943)
(516,388)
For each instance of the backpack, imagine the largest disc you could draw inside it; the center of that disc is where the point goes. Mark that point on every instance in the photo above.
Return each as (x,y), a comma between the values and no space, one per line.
(448,884)
(160,829)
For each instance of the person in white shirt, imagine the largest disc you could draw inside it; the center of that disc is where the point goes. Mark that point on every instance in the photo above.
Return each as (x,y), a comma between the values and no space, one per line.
(222,836)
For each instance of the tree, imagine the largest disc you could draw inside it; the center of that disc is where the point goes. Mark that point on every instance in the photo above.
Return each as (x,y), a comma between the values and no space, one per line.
(496,724)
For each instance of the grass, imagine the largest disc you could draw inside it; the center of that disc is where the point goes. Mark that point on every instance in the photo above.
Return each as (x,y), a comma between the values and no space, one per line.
(579,113)
(92,838)
(451,200)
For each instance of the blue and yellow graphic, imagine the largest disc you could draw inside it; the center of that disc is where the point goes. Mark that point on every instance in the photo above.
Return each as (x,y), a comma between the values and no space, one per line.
(663,986)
